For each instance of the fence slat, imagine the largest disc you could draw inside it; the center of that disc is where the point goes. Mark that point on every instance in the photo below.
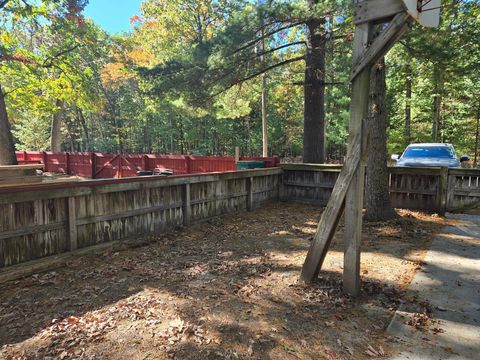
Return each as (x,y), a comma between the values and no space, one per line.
(52,218)
(71,224)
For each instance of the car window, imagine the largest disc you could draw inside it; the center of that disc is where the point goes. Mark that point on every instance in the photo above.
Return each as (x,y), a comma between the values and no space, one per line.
(429,152)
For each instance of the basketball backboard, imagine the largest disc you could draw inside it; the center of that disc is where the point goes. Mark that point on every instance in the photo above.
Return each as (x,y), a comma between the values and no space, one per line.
(425,12)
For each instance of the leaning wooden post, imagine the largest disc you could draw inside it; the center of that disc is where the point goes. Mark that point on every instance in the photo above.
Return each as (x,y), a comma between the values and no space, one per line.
(349,189)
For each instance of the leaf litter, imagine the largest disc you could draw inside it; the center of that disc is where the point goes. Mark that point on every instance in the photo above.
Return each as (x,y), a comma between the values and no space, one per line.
(224,289)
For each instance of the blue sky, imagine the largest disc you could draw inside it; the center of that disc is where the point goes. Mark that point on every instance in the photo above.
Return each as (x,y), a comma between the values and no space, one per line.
(113,15)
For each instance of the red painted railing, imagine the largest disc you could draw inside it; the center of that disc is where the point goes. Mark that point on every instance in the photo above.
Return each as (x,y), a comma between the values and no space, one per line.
(100,165)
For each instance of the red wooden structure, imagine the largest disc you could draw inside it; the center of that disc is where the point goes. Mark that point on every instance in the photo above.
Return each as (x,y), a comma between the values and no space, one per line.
(99,165)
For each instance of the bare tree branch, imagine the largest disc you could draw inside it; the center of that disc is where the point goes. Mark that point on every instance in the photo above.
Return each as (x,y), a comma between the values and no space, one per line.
(239,62)
(302,83)
(260,72)
(270,33)
(57,55)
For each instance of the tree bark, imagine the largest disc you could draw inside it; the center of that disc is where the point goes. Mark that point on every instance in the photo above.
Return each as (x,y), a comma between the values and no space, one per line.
(408,105)
(86,136)
(477,134)
(314,93)
(330,74)
(7,146)
(378,204)
(56,133)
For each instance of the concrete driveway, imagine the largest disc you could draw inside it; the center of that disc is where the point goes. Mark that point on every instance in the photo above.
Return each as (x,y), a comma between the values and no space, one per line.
(450,282)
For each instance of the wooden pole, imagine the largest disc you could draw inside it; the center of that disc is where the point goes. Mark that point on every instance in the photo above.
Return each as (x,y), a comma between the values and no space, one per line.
(330,217)
(355,192)
(347,195)
(477,133)
(237,154)
(264,96)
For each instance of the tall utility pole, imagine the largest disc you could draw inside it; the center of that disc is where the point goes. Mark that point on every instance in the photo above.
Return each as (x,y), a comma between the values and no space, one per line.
(477,133)
(264,95)
(408,104)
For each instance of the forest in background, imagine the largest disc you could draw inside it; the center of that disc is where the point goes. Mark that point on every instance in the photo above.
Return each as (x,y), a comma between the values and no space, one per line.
(188,79)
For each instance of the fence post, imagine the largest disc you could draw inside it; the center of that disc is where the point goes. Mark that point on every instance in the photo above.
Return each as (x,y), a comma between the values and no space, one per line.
(71,224)
(186,202)
(451,184)
(44,159)
(67,160)
(281,187)
(120,170)
(442,190)
(249,193)
(188,164)
(93,163)
(237,154)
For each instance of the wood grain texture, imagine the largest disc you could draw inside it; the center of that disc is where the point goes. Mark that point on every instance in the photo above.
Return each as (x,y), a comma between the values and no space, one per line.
(52,220)
(331,216)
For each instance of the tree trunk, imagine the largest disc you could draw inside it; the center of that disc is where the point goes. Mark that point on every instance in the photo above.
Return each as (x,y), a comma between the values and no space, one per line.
(56,134)
(437,103)
(477,133)
(378,204)
(330,52)
(86,136)
(408,105)
(314,93)
(7,147)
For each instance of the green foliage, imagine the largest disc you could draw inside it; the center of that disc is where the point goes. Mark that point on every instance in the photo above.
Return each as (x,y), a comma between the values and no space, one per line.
(184,80)
(452,50)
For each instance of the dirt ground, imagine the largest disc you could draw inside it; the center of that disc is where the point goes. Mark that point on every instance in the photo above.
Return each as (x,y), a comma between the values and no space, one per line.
(223,289)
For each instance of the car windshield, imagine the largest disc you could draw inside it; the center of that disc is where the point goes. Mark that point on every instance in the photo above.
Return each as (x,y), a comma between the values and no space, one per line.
(429,152)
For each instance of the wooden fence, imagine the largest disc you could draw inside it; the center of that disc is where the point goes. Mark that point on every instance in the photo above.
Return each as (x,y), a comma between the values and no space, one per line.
(96,165)
(48,219)
(463,189)
(431,189)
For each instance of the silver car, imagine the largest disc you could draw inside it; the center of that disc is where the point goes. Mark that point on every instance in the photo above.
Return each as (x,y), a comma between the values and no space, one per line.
(430,154)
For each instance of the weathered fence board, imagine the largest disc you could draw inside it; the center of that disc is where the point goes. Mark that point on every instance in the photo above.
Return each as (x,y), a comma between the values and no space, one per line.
(430,189)
(415,188)
(463,189)
(309,183)
(49,219)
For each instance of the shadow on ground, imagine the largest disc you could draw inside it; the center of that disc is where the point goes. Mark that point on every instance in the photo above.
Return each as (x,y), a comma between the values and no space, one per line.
(226,288)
